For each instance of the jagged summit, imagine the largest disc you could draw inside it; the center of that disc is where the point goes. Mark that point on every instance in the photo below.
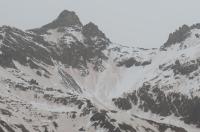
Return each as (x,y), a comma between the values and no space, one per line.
(178,36)
(98,38)
(92,30)
(65,19)
(181,34)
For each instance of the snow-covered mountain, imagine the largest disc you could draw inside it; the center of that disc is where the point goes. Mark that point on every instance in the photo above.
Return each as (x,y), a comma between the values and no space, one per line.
(69,77)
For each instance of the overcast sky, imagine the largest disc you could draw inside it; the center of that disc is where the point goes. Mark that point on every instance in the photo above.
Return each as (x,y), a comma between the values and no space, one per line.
(143,23)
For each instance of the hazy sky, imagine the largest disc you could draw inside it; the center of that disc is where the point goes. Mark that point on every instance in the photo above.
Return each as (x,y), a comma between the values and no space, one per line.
(143,23)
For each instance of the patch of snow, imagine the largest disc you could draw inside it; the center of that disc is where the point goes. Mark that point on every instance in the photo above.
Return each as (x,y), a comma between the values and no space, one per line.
(52,107)
(53,36)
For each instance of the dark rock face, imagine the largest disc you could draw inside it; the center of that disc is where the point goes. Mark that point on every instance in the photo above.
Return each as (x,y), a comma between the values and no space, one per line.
(185,68)
(69,81)
(128,63)
(154,100)
(122,103)
(132,62)
(5,112)
(65,19)
(78,56)
(163,127)
(6,61)
(148,101)
(101,119)
(6,126)
(68,18)
(178,36)
(23,129)
(17,47)
(82,129)
(1,37)
(127,128)
(182,68)
(92,30)
(71,100)
(196,26)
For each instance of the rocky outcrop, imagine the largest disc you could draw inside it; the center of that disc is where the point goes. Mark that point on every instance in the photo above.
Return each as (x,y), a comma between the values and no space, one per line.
(133,62)
(22,47)
(65,19)
(152,98)
(178,36)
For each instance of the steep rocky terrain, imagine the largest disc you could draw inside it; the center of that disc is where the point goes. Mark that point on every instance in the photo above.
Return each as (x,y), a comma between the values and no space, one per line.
(69,77)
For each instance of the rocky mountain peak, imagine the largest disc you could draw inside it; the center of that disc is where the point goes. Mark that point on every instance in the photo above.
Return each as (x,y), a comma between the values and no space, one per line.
(178,36)
(95,36)
(65,19)
(92,30)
